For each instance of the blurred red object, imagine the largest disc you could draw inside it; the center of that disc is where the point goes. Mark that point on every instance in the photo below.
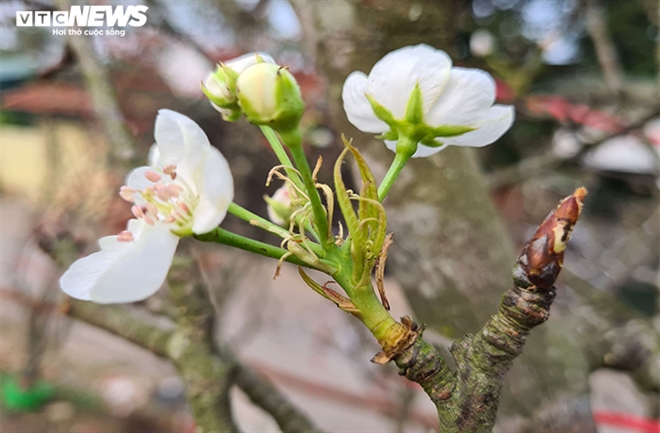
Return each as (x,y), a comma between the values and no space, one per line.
(49,98)
(565,111)
(627,421)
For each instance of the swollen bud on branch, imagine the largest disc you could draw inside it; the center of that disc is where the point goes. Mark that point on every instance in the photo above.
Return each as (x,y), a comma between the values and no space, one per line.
(270,96)
(220,85)
(543,255)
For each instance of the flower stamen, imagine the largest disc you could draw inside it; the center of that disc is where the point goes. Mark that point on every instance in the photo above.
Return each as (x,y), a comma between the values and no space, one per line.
(152,176)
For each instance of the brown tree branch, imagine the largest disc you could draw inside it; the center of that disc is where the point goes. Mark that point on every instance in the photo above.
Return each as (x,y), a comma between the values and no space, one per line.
(467,399)
(150,334)
(123,322)
(207,378)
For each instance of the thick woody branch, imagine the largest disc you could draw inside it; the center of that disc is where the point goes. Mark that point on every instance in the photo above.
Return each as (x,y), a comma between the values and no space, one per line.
(467,399)
(147,333)
(207,378)
(124,323)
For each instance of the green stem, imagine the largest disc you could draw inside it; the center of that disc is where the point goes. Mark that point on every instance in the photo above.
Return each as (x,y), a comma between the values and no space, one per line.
(294,143)
(281,154)
(405,148)
(263,223)
(222,236)
(372,312)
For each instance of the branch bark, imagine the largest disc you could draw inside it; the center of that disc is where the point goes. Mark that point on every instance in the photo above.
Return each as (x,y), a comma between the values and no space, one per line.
(207,378)
(467,399)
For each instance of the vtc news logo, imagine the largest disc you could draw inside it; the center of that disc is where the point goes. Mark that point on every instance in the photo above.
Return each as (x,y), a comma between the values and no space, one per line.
(85,16)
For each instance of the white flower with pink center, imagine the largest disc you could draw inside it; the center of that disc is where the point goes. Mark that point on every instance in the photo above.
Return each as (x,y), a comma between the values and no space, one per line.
(186,191)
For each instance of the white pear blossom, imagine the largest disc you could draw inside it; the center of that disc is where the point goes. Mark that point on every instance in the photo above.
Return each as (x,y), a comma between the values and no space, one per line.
(186,191)
(456,103)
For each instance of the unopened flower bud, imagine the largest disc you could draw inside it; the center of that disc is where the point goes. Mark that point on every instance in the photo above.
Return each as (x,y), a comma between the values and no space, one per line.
(280,207)
(269,95)
(220,86)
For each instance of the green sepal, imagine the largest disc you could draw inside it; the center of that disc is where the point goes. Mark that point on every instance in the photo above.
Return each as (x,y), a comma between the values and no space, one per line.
(431,142)
(311,283)
(289,102)
(230,76)
(381,112)
(415,107)
(389,135)
(449,131)
(233,116)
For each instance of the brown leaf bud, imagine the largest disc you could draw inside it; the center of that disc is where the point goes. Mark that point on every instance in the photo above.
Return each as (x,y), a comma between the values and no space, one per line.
(543,255)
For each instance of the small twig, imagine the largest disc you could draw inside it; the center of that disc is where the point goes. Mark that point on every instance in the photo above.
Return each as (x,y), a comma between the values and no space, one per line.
(265,395)
(605,49)
(104,100)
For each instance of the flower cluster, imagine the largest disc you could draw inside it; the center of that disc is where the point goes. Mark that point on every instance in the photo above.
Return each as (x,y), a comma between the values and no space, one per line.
(413,98)
(255,86)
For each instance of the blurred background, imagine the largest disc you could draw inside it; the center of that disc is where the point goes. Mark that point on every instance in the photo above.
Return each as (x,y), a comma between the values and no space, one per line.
(78,112)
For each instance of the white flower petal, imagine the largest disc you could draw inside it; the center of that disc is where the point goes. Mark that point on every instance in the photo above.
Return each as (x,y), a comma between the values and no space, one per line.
(390,144)
(123,271)
(393,78)
(216,192)
(491,126)
(241,63)
(424,151)
(468,93)
(357,107)
(181,142)
(136,178)
(84,273)
(153,158)
(132,273)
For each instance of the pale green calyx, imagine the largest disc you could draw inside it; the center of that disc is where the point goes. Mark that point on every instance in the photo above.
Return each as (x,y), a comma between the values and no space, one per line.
(220,88)
(415,94)
(413,125)
(269,95)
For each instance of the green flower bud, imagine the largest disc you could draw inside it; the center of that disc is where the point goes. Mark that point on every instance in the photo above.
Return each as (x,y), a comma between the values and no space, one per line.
(220,86)
(269,95)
